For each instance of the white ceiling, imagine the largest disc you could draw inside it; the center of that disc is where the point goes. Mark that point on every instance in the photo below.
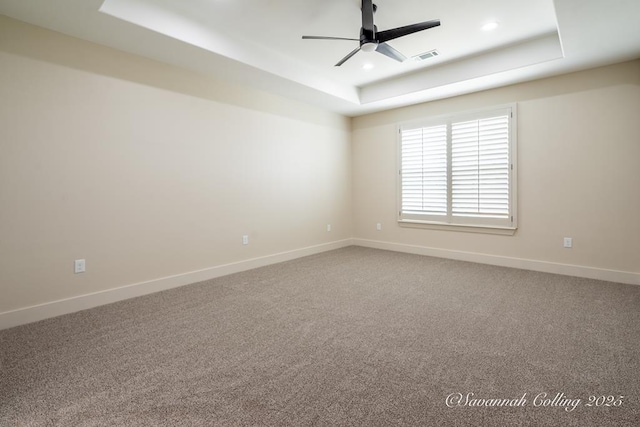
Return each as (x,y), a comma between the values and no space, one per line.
(258,42)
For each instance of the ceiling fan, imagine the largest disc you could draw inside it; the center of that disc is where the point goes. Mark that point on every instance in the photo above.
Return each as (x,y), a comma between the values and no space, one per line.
(372,40)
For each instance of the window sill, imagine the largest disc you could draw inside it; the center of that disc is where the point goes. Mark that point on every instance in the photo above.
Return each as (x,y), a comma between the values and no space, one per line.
(484,229)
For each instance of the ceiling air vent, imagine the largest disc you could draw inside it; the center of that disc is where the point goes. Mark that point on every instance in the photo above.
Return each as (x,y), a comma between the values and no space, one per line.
(431,54)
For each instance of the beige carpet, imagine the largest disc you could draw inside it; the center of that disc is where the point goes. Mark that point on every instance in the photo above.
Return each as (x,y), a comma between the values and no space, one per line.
(355,336)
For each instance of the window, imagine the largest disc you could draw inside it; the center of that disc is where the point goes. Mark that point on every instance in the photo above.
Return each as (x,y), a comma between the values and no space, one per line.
(459,171)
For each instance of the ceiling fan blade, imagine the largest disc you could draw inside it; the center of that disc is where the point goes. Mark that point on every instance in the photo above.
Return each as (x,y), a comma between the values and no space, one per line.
(387,50)
(385,36)
(346,58)
(327,38)
(367,16)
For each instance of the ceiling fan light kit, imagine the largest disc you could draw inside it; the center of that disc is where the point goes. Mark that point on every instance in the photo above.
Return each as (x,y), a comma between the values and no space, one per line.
(369,47)
(372,40)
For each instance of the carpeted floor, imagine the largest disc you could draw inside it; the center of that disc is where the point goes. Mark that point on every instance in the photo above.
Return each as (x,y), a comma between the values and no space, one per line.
(355,336)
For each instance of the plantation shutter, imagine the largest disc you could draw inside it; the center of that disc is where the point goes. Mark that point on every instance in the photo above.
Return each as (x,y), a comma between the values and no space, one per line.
(458,171)
(480,167)
(424,171)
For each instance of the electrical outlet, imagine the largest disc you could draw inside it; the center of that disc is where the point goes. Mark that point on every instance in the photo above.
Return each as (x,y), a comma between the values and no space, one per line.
(568,242)
(79,266)
(245,240)
(328,227)
(378,226)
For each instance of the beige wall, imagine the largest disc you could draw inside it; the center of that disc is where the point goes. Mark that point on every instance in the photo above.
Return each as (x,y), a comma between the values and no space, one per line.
(147,171)
(579,171)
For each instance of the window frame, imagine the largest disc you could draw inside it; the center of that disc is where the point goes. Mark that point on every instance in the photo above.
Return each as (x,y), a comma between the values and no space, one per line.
(462,223)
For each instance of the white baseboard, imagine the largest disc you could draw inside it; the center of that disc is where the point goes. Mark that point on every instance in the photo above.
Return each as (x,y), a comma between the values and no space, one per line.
(525,264)
(47,310)
(34,313)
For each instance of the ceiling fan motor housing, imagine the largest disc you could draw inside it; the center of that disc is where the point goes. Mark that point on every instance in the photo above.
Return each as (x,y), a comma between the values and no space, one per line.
(368,42)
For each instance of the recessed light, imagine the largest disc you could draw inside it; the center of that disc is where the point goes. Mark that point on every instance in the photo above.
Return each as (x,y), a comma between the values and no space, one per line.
(367,66)
(490,26)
